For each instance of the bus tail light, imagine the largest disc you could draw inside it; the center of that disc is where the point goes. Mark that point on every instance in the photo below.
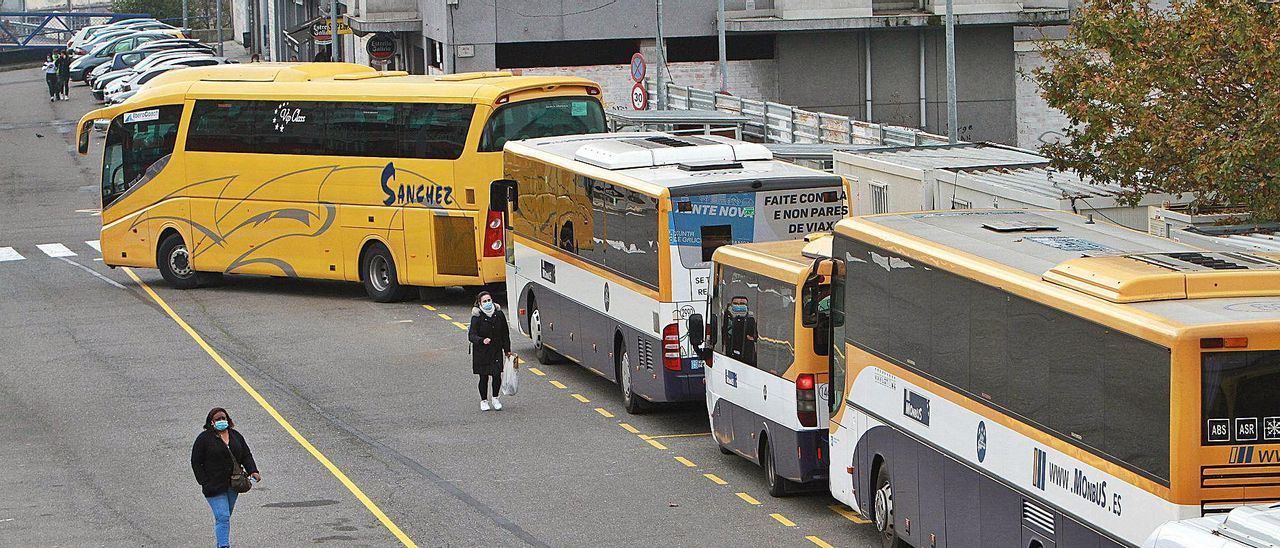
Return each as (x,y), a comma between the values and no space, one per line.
(1228,342)
(671,347)
(806,400)
(593,91)
(493,235)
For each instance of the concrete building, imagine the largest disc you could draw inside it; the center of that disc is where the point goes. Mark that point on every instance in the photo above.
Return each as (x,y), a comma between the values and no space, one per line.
(876,60)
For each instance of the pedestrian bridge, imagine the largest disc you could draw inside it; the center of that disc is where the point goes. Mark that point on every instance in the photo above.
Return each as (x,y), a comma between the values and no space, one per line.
(49,29)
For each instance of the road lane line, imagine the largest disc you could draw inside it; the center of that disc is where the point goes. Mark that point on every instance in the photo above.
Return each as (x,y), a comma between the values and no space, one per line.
(848,514)
(297,436)
(91,271)
(748,498)
(818,541)
(686,462)
(56,250)
(697,434)
(628,428)
(10,254)
(580,398)
(445,316)
(783,520)
(462,326)
(604,412)
(558,384)
(95,244)
(537,372)
(429,307)
(715,479)
(656,444)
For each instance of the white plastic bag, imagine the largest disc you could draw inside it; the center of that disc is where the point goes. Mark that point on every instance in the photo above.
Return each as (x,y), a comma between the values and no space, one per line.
(510,382)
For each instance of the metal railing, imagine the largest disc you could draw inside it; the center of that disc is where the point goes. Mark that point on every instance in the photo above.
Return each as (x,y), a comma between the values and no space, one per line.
(49,29)
(778,123)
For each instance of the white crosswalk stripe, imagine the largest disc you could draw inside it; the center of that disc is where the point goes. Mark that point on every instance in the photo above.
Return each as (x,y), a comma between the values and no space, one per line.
(95,244)
(56,250)
(10,254)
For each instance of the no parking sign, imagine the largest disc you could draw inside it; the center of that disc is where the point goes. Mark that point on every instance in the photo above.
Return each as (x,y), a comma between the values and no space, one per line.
(637,68)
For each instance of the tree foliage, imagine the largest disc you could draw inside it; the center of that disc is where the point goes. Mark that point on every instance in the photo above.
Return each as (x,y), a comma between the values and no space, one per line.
(1183,100)
(200,13)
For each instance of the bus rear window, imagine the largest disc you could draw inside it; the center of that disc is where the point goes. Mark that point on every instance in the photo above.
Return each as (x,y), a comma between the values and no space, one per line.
(542,118)
(702,223)
(1241,397)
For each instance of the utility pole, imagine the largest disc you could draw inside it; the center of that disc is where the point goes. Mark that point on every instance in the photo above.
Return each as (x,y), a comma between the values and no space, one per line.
(662,64)
(333,30)
(185,24)
(724,55)
(217,10)
(951,75)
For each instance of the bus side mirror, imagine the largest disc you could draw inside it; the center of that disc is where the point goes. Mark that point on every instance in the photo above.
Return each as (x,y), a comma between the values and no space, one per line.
(83,145)
(697,330)
(503,192)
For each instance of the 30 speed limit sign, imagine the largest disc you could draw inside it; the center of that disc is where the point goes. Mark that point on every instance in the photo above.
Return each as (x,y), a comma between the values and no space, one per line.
(639,97)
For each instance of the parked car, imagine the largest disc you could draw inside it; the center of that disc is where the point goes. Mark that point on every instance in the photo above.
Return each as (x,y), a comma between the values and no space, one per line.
(106,50)
(161,58)
(128,59)
(122,91)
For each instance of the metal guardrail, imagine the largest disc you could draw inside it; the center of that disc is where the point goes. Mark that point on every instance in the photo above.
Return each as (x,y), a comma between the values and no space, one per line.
(778,123)
(50,29)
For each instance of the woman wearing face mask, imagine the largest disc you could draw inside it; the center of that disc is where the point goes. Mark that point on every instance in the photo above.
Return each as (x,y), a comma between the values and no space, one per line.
(490,341)
(211,460)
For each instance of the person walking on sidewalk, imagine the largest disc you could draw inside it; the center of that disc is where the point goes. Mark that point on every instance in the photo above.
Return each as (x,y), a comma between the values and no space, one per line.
(490,343)
(51,77)
(63,63)
(217,451)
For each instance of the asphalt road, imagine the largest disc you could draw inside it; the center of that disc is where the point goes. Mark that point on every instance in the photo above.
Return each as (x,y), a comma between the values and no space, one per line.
(362,416)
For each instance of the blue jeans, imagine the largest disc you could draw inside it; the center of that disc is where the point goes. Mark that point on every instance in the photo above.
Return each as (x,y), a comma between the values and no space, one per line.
(222,504)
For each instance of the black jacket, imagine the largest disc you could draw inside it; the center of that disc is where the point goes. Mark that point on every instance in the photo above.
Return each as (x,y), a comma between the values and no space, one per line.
(211,461)
(64,65)
(486,359)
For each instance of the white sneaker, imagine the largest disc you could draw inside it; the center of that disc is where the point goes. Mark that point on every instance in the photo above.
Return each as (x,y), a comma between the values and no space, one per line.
(497,405)
(484,405)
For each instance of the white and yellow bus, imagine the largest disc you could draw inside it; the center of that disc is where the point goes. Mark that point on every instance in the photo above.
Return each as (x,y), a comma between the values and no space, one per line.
(612,238)
(322,170)
(765,354)
(1030,378)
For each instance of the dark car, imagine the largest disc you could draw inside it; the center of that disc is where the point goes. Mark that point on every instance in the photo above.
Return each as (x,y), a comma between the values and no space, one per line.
(108,49)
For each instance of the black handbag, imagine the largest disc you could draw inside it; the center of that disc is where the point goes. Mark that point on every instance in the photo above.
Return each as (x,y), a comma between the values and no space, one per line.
(239,479)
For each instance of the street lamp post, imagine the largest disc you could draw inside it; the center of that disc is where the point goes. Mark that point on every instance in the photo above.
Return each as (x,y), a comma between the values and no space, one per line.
(951,75)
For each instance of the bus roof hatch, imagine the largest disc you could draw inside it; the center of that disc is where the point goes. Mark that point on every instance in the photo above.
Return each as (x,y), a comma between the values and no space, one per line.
(628,153)
(1164,276)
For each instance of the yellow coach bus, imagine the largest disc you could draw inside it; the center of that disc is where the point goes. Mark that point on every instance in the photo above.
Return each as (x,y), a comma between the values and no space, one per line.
(1033,379)
(322,170)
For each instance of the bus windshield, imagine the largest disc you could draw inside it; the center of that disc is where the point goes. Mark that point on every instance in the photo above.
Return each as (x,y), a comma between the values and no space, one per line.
(136,143)
(1241,401)
(701,224)
(548,117)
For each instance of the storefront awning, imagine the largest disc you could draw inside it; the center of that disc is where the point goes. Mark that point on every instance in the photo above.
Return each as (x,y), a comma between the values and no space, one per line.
(387,21)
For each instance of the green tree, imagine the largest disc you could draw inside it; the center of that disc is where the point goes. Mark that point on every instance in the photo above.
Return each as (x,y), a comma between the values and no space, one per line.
(165,10)
(1183,100)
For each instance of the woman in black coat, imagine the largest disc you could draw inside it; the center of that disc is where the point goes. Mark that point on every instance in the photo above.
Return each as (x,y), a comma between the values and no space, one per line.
(211,461)
(490,341)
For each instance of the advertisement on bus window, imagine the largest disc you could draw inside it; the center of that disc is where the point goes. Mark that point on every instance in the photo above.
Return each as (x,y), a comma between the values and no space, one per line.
(700,224)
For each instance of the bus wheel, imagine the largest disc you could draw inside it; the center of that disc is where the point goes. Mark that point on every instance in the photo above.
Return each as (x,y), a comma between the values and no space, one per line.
(378,270)
(882,510)
(545,356)
(778,485)
(632,402)
(174,263)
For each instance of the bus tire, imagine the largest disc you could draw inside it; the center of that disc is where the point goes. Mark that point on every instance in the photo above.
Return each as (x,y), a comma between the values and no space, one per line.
(778,485)
(882,508)
(544,355)
(378,272)
(632,402)
(174,263)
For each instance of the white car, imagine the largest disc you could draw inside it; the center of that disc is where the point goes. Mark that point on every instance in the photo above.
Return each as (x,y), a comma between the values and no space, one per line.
(101,83)
(121,90)
(1243,527)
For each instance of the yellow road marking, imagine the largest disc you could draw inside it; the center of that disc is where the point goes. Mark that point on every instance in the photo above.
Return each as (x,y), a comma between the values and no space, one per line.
(715,479)
(429,307)
(271,410)
(604,412)
(679,435)
(848,514)
(580,398)
(686,462)
(783,520)
(536,371)
(628,428)
(461,326)
(656,444)
(818,541)
(558,384)
(750,499)
(445,316)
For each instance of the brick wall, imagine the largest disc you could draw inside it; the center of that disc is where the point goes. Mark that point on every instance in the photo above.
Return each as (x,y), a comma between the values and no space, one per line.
(748,79)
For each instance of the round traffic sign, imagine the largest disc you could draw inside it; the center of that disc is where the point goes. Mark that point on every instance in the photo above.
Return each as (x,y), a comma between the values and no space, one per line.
(639,97)
(381,46)
(637,67)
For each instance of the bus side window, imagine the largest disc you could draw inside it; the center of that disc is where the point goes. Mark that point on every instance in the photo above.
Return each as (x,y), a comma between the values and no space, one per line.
(740,330)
